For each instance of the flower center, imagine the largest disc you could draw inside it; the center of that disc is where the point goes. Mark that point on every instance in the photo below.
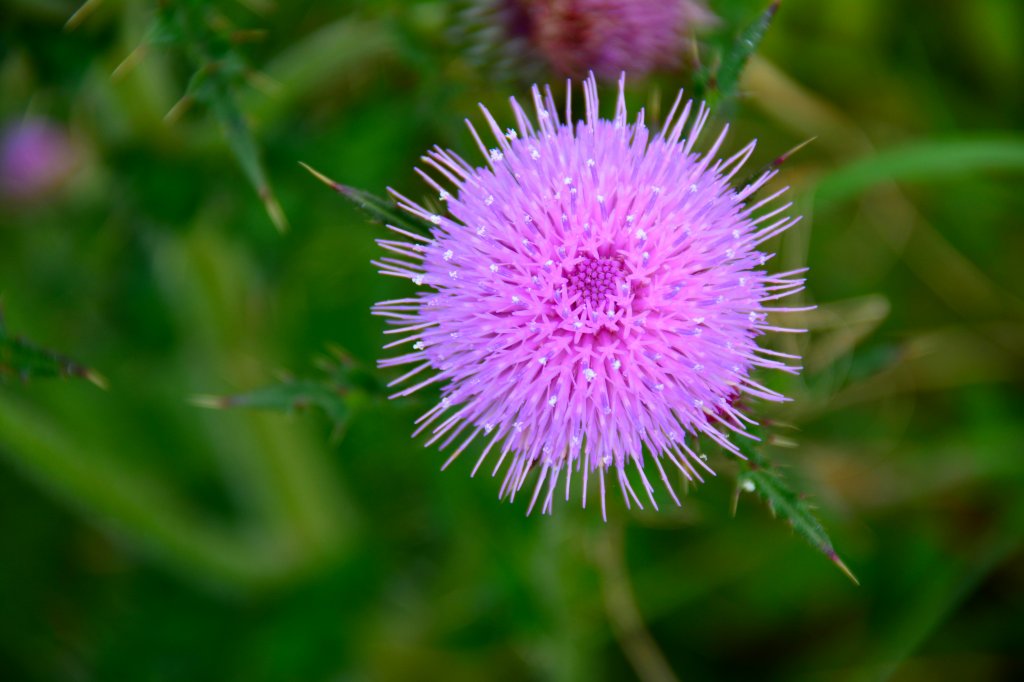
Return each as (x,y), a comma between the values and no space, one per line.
(593,279)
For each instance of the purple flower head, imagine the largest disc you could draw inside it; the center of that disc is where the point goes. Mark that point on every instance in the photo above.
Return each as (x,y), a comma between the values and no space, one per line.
(611,36)
(574,37)
(35,158)
(591,300)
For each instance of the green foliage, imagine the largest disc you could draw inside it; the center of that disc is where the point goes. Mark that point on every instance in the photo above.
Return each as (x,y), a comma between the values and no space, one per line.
(718,80)
(343,386)
(207,40)
(147,539)
(378,209)
(758,475)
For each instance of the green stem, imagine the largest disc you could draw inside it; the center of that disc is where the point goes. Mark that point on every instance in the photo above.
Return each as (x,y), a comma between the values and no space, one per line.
(624,615)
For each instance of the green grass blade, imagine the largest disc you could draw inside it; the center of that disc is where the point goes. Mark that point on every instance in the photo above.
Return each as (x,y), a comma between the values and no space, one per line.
(925,161)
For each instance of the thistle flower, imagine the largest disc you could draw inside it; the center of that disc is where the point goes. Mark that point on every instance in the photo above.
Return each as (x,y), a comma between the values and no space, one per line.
(591,299)
(611,36)
(577,36)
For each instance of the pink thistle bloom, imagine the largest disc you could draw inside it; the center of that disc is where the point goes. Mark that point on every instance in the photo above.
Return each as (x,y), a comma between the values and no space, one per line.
(611,36)
(592,299)
(574,37)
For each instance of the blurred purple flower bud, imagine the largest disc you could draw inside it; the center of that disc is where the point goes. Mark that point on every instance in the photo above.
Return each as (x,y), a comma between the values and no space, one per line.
(611,36)
(575,37)
(36,157)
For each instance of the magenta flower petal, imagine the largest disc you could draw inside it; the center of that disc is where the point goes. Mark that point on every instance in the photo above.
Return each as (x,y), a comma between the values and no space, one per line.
(591,301)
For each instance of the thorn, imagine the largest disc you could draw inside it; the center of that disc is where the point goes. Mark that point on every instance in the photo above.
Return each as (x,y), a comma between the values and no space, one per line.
(264,83)
(252,35)
(273,209)
(834,558)
(81,14)
(95,378)
(129,62)
(781,159)
(695,55)
(179,109)
(337,187)
(785,156)
(780,442)
(210,402)
(772,423)
(735,504)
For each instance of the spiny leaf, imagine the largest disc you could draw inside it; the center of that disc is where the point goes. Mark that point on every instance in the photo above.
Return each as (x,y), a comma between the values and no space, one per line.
(378,208)
(24,361)
(759,476)
(243,144)
(208,45)
(208,41)
(341,384)
(726,77)
(291,394)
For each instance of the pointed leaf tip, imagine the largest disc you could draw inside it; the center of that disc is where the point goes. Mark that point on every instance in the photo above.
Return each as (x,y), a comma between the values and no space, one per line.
(379,209)
(337,390)
(843,567)
(210,402)
(81,14)
(24,361)
(337,187)
(274,211)
(760,476)
(783,158)
(96,379)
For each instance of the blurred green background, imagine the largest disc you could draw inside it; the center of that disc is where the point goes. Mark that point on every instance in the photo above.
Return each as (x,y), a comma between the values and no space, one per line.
(146,538)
